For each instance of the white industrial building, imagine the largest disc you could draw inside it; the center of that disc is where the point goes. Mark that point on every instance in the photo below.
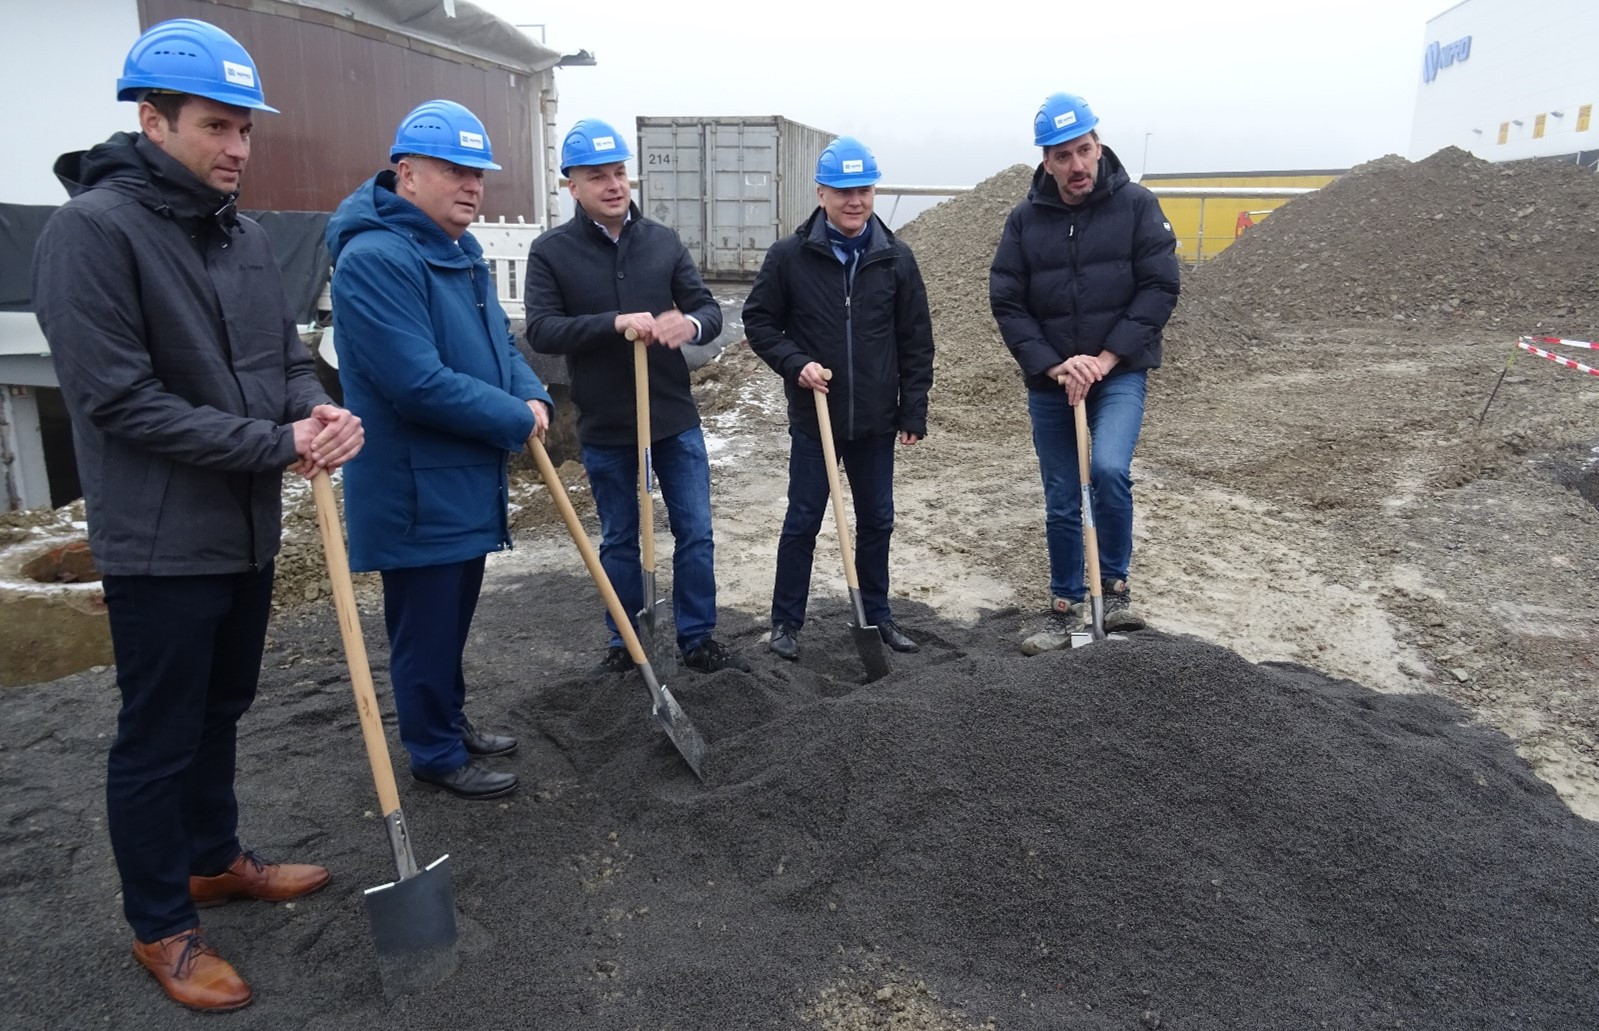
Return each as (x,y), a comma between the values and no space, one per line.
(1510,79)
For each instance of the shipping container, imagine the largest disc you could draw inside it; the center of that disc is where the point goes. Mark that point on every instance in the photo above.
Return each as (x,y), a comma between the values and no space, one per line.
(1206,226)
(731,187)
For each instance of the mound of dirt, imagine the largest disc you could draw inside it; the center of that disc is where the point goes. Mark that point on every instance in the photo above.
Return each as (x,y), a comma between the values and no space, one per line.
(1450,238)
(977,388)
(1117,837)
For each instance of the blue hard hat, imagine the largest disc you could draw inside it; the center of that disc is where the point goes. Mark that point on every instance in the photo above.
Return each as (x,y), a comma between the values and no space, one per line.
(445,130)
(1062,117)
(847,163)
(196,57)
(593,142)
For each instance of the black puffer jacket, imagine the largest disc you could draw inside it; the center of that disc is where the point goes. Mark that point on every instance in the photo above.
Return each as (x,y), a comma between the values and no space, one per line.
(875,335)
(578,282)
(178,360)
(1077,280)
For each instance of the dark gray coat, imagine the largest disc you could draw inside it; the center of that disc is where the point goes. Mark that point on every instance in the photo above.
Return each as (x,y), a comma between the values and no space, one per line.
(178,360)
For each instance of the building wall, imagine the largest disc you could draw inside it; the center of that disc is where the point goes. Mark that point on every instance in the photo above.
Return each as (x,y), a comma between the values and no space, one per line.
(343,88)
(1205,227)
(1526,85)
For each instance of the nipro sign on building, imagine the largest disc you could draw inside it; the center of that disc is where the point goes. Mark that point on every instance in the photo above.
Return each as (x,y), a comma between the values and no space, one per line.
(1441,55)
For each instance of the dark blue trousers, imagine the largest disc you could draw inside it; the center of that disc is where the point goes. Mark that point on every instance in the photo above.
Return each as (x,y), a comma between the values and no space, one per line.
(428,611)
(188,651)
(869,464)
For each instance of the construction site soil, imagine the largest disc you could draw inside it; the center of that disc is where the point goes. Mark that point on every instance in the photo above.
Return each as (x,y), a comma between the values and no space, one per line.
(1346,781)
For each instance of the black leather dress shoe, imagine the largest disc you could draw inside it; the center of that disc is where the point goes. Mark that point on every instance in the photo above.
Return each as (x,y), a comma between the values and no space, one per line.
(785,641)
(895,638)
(473,781)
(484,745)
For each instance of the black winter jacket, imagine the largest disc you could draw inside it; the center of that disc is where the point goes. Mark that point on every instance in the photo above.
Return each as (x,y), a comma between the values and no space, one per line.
(1077,280)
(578,282)
(876,334)
(178,359)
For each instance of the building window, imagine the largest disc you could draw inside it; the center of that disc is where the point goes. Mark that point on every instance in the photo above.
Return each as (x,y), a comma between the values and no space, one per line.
(1504,132)
(1584,113)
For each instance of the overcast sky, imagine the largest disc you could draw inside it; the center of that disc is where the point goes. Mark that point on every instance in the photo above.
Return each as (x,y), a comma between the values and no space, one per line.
(1223,85)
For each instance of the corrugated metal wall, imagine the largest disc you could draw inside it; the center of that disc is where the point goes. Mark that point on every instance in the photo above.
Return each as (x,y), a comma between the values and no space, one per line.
(342,93)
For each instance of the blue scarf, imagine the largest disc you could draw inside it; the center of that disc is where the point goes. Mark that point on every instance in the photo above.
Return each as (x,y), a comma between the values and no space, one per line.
(851,246)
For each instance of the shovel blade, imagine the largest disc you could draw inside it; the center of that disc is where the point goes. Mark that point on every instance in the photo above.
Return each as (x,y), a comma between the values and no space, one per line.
(413,929)
(656,636)
(874,653)
(684,736)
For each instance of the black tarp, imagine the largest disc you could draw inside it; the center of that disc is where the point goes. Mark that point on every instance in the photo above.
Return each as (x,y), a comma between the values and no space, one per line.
(296,242)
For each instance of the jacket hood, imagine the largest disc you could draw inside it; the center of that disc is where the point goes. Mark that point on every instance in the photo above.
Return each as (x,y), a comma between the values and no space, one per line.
(129,163)
(1112,177)
(375,207)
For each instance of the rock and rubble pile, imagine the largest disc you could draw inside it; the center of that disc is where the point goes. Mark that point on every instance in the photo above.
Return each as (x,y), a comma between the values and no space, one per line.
(1451,238)
(977,388)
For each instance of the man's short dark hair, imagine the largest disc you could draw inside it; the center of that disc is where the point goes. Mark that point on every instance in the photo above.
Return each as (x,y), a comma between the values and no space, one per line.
(168,104)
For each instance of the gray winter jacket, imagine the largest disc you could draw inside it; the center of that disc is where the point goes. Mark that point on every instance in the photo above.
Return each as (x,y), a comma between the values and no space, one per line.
(178,360)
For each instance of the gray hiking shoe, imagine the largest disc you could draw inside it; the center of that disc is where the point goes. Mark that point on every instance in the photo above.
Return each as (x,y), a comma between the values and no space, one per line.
(1054,630)
(1119,613)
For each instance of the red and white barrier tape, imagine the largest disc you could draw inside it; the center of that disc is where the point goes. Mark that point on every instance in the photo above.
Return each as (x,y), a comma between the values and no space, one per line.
(1590,344)
(1525,344)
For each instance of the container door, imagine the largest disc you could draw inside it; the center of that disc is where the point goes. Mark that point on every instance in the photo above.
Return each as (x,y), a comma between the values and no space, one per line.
(743,198)
(672,181)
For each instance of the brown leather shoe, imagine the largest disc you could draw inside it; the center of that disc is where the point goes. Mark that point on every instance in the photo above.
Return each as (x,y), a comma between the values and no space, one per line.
(251,877)
(192,973)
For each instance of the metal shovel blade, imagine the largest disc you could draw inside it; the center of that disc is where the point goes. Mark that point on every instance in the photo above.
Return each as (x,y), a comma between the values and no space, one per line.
(675,722)
(413,929)
(655,630)
(868,642)
(1095,631)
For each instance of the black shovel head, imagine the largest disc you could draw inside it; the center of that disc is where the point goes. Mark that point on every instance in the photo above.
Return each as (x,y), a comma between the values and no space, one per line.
(413,929)
(874,653)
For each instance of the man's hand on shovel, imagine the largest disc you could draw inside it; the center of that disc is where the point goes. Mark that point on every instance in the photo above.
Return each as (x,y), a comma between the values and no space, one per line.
(541,420)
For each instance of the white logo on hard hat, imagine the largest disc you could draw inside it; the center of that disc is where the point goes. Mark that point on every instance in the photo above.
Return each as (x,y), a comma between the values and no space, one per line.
(856,165)
(605,143)
(1063,120)
(474,140)
(238,74)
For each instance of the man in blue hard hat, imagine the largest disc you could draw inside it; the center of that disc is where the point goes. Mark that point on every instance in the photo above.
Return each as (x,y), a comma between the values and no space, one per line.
(1082,284)
(590,281)
(189,392)
(427,358)
(843,295)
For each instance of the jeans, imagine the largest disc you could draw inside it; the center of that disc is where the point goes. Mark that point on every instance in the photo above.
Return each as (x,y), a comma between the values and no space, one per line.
(869,463)
(684,472)
(188,651)
(428,613)
(1115,415)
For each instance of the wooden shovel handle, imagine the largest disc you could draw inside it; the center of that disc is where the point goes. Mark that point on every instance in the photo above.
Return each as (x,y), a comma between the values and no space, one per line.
(366,699)
(1090,532)
(825,423)
(591,558)
(641,404)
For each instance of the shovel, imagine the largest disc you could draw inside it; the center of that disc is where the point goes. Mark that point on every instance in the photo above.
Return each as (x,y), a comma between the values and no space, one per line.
(658,645)
(667,712)
(412,918)
(874,654)
(1096,591)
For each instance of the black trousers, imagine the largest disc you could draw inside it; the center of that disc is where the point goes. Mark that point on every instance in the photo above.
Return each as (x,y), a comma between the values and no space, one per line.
(188,651)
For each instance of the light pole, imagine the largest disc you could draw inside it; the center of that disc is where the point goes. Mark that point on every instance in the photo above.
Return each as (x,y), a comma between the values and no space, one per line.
(1143,165)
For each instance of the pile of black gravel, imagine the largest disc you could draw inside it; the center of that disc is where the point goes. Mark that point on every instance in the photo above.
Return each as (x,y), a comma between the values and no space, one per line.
(1140,834)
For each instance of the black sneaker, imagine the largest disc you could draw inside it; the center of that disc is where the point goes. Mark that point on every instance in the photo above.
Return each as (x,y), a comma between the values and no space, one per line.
(785,641)
(711,657)
(1054,630)
(616,660)
(1119,614)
